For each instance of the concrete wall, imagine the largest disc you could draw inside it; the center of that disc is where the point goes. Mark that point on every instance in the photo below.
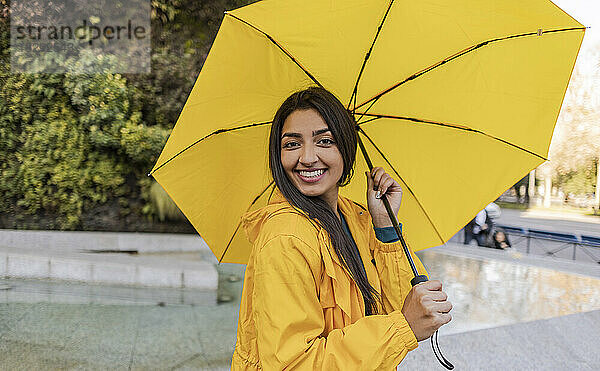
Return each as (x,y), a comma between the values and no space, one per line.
(81,241)
(111,269)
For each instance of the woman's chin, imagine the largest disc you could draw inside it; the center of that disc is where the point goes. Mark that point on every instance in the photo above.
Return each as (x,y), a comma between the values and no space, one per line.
(310,191)
(314,189)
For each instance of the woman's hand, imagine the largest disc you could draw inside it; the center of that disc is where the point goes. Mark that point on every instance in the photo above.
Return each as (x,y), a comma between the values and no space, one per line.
(380,181)
(426,309)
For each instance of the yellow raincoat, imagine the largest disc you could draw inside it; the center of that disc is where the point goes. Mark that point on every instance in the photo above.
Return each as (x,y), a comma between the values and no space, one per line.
(301,310)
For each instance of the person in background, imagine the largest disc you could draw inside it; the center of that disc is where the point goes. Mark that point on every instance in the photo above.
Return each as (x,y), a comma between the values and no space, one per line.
(478,229)
(482,228)
(500,240)
(468,232)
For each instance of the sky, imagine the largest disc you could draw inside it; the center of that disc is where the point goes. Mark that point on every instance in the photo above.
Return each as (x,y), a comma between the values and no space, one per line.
(587,12)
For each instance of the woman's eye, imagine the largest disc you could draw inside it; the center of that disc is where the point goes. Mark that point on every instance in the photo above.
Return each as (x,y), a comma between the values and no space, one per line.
(326,141)
(290,145)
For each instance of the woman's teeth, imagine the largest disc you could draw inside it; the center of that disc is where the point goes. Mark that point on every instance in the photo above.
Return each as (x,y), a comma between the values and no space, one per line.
(311,174)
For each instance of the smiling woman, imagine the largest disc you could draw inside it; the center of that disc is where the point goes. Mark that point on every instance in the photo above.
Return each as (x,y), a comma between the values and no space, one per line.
(312,132)
(321,266)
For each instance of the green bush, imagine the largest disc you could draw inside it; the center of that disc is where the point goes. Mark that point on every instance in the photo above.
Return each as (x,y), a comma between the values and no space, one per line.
(79,142)
(71,141)
(579,182)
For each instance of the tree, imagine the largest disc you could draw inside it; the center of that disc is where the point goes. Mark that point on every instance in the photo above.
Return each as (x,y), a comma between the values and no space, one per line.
(575,149)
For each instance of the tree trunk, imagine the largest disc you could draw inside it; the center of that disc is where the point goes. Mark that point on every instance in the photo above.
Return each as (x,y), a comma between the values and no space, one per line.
(532,184)
(547,190)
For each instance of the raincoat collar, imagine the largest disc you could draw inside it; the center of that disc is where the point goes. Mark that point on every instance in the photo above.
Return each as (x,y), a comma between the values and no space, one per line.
(252,221)
(277,197)
(277,204)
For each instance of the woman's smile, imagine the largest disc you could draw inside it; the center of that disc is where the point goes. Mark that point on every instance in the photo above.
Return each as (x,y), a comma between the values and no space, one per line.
(311,176)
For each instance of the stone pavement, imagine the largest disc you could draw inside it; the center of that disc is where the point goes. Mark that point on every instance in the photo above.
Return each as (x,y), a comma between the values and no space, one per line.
(560,343)
(508,314)
(68,336)
(145,331)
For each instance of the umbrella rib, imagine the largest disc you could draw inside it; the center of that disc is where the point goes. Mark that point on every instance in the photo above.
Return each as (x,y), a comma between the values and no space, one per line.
(220,131)
(367,56)
(280,48)
(455,56)
(402,179)
(240,222)
(369,120)
(454,126)
(271,194)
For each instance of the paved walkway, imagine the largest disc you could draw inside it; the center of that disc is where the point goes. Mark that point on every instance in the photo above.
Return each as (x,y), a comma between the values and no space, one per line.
(560,343)
(43,327)
(495,301)
(552,221)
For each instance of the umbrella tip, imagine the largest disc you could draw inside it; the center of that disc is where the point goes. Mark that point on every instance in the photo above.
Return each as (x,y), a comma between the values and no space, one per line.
(149,174)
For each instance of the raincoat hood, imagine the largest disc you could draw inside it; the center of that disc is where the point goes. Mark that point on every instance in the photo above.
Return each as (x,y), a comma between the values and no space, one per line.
(253,221)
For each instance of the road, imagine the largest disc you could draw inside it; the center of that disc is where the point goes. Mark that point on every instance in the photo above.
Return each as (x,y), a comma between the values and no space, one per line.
(551,221)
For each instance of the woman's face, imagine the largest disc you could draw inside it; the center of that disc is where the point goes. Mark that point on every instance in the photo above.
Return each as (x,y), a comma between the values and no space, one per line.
(309,154)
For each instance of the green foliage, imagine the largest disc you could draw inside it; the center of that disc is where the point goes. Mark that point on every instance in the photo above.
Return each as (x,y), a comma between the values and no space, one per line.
(141,143)
(165,207)
(55,169)
(74,139)
(75,142)
(579,182)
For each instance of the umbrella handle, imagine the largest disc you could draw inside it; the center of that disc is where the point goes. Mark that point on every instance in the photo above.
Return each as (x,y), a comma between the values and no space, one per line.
(418,278)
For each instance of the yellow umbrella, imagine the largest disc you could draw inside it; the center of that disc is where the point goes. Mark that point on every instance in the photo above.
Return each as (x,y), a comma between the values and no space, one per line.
(457,99)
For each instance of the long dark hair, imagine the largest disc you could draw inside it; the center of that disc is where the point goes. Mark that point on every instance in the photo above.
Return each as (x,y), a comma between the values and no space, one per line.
(342,127)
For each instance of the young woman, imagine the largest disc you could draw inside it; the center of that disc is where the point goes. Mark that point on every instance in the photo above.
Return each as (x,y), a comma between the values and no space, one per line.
(326,286)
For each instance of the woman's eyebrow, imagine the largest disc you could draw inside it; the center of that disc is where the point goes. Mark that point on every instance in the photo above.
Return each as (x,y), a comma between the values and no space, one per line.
(320,131)
(298,135)
(292,135)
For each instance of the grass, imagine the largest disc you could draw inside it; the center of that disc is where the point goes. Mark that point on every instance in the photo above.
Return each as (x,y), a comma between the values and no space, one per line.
(511,205)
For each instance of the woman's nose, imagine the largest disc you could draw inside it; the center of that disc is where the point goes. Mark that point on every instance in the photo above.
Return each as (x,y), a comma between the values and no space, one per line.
(308,155)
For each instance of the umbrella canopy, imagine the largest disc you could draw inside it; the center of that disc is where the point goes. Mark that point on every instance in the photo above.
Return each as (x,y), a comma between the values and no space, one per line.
(457,100)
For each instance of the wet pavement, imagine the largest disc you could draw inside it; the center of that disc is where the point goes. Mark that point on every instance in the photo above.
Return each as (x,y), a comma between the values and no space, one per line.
(60,326)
